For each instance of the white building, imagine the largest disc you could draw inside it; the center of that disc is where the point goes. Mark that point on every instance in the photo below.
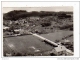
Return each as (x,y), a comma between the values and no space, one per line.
(5,27)
(60,50)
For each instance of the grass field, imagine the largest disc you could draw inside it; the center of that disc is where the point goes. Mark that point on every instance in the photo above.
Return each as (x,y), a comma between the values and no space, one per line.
(25,44)
(29,43)
(58,35)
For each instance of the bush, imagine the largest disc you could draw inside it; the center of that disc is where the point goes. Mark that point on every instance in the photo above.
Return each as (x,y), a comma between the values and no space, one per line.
(46,24)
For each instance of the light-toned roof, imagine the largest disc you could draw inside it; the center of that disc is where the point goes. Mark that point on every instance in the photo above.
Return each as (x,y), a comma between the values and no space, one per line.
(67,40)
(69,51)
(60,48)
(5,27)
(17,30)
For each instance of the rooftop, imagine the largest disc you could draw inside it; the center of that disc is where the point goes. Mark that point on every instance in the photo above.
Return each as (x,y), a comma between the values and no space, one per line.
(60,48)
(5,27)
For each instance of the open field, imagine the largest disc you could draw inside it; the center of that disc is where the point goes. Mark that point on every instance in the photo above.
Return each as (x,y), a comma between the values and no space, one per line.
(25,44)
(58,35)
(29,44)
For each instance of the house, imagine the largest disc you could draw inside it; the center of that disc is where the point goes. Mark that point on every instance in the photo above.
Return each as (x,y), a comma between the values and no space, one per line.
(69,52)
(34,18)
(8,54)
(21,32)
(65,41)
(60,50)
(5,28)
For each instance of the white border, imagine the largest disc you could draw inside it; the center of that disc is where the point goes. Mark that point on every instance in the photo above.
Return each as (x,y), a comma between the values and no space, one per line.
(50,4)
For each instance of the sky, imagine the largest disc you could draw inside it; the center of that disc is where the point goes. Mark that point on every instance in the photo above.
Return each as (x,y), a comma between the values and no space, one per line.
(29,9)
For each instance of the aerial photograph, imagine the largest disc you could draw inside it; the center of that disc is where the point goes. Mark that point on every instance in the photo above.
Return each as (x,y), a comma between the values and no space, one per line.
(38,31)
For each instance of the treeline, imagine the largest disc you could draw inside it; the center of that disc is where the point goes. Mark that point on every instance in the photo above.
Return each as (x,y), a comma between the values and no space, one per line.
(70,27)
(16,14)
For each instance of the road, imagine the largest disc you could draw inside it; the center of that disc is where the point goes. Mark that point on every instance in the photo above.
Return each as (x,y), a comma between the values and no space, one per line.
(69,51)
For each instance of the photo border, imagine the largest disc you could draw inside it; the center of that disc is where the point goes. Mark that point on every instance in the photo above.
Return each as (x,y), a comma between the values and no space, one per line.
(36,56)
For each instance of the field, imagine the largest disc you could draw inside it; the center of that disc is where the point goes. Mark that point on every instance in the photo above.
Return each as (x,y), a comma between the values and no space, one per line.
(58,35)
(31,44)
(25,44)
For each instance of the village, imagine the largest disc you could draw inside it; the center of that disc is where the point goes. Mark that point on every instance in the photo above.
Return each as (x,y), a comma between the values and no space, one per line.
(54,33)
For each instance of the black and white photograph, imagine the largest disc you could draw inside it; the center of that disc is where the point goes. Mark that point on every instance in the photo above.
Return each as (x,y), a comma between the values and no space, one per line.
(38,31)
